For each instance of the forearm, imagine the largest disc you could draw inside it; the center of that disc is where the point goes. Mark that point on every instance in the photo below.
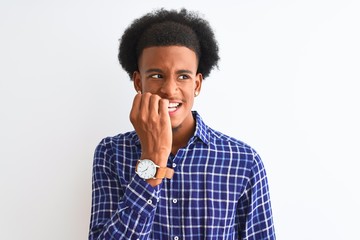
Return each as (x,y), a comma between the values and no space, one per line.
(133,217)
(123,224)
(254,211)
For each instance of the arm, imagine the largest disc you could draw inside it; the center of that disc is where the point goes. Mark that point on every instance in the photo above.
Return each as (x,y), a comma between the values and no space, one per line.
(150,118)
(118,212)
(255,221)
(128,212)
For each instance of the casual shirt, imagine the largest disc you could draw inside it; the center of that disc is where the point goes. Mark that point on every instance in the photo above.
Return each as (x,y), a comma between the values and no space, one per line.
(219,191)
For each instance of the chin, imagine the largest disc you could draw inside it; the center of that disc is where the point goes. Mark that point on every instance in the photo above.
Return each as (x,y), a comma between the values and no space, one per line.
(175,126)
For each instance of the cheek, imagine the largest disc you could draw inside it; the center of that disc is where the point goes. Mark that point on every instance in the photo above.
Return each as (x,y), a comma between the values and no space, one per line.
(150,87)
(190,98)
(153,89)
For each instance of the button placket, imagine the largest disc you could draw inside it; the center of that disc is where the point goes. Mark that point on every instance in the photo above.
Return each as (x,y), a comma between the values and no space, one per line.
(173,197)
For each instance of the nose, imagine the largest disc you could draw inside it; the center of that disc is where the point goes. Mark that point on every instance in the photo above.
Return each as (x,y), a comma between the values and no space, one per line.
(169,86)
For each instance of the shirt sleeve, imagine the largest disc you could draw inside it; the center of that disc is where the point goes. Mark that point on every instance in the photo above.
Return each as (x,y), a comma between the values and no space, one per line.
(255,220)
(119,211)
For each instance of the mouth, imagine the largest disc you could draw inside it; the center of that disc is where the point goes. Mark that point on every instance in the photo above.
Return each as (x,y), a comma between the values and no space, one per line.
(173,107)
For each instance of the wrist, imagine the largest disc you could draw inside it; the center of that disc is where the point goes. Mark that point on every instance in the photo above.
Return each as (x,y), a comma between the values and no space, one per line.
(154,182)
(147,169)
(158,159)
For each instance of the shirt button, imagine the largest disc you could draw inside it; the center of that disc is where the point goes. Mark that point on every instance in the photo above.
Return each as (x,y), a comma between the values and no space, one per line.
(176,238)
(174,165)
(174,200)
(149,201)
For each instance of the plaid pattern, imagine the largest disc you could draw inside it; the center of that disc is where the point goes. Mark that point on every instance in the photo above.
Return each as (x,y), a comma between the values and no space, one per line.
(219,191)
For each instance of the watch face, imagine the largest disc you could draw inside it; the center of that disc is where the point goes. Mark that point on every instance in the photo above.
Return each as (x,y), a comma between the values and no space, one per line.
(146,169)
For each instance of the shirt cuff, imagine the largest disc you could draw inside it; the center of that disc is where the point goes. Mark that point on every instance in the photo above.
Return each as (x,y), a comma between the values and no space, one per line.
(142,197)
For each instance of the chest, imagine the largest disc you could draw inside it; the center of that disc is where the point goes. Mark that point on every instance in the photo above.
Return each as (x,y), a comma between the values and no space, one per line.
(212,175)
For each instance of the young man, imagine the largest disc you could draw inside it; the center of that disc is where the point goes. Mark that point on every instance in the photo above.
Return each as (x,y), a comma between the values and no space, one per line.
(174,177)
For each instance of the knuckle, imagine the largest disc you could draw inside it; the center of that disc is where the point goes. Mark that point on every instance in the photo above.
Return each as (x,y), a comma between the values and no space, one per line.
(132,117)
(163,102)
(155,98)
(147,95)
(153,119)
(143,118)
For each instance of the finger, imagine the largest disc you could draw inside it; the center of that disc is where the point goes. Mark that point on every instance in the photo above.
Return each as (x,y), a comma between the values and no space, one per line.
(144,105)
(135,106)
(154,104)
(164,107)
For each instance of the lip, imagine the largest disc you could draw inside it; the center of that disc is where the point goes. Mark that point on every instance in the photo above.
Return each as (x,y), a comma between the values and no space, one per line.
(174,107)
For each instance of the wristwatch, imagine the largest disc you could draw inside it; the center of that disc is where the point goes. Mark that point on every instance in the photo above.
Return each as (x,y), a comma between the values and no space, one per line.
(147,169)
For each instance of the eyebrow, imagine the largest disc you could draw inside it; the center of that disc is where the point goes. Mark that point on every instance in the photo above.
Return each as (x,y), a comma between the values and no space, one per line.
(153,70)
(182,71)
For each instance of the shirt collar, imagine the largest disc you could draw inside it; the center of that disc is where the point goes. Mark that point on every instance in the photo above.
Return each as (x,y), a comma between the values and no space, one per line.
(201,130)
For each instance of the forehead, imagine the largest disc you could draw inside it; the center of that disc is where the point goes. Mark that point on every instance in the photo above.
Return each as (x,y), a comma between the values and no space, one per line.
(168,57)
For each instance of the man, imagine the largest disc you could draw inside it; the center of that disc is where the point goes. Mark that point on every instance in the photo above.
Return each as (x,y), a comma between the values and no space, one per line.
(174,177)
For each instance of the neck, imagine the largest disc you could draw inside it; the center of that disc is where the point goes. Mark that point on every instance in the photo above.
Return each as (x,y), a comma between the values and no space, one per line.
(181,136)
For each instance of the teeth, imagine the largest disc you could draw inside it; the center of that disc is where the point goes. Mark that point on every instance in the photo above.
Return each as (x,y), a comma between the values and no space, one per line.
(173,105)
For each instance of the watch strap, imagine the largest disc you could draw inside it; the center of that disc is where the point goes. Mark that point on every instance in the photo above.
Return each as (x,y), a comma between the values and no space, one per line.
(164,172)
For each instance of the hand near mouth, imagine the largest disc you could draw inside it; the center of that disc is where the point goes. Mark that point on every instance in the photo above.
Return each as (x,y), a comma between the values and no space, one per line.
(150,117)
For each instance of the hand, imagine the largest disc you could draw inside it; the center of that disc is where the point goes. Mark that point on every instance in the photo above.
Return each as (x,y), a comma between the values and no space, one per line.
(150,118)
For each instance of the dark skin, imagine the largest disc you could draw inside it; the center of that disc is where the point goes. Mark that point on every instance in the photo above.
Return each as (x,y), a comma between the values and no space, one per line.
(167,83)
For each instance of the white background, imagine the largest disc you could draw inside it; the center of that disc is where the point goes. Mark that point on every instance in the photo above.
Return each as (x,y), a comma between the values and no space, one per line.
(286,85)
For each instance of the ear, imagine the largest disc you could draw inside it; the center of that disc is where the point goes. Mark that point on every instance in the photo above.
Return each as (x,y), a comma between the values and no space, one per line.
(198,83)
(136,77)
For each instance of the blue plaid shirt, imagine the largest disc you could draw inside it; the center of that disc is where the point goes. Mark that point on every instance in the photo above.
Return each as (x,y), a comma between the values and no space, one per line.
(219,191)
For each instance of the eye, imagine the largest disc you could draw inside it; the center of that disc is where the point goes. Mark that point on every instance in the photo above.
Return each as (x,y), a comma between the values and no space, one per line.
(156,76)
(183,77)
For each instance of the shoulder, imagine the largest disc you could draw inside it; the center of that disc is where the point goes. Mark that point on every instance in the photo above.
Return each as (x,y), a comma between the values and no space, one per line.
(114,145)
(113,150)
(218,138)
(242,154)
(235,148)
(127,138)
(223,143)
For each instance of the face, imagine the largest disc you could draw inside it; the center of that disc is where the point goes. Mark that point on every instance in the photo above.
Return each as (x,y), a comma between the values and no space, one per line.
(170,72)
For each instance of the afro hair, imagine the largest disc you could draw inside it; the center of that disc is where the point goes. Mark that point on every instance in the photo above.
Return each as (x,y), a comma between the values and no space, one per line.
(161,28)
